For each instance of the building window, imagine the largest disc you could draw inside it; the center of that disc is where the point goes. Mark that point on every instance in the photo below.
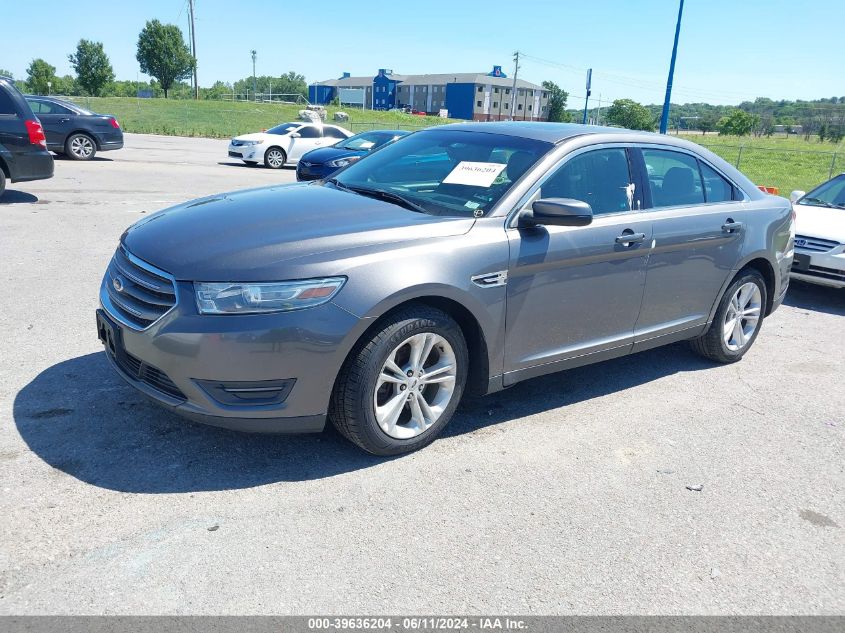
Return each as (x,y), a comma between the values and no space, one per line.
(519,106)
(480,89)
(495,104)
(530,107)
(477,104)
(507,105)
(507,91)
(496,90)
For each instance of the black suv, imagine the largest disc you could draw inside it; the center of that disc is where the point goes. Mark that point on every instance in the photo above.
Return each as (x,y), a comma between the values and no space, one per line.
(23,146)
(74,131)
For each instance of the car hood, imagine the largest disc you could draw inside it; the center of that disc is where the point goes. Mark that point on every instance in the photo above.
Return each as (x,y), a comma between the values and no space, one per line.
(820,222)
(325,154)
(256,136)
(252,235)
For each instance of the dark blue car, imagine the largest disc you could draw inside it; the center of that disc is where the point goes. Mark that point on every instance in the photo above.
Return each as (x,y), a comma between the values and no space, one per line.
(320,163)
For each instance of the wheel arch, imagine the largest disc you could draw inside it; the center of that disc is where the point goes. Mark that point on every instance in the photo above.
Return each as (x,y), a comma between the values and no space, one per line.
(478,372)
(281,149)
(765,268)
(87,133)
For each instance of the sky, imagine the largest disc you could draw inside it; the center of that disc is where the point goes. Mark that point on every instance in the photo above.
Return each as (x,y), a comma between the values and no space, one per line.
(729,50)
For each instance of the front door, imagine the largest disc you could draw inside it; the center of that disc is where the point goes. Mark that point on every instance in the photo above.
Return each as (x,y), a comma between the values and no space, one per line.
(574,293)
(310,137)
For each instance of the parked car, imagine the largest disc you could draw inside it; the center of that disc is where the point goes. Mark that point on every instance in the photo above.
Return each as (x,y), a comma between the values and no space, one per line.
(285,144)
(323,162)
(74,131)
(464,257)
(820,234)
(23,146)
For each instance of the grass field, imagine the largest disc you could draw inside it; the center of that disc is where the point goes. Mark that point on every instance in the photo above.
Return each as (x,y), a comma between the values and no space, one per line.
(785,163)
(224,119)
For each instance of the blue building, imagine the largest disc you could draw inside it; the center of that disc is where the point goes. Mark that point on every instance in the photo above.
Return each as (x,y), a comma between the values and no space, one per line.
(473,96)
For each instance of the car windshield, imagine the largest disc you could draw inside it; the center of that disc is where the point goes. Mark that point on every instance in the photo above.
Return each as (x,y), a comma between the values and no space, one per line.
(366,141)
(284,128)
(830,194)
(445,172)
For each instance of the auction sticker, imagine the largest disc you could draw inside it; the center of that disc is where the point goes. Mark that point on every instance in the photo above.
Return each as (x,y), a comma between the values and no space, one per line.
(474,174)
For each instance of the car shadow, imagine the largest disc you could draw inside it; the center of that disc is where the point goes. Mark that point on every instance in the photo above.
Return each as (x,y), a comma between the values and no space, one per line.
(814,297)
(82,419)
(256,166)
(97,159)
(13,196)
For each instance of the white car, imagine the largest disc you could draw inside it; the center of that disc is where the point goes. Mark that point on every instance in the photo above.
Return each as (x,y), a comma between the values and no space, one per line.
(820,234)
(285,143)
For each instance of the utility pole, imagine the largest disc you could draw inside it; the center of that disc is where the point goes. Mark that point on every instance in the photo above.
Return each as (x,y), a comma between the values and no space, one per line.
(513,89)
(587,98)
(664,119)
(254,88)
(194,49)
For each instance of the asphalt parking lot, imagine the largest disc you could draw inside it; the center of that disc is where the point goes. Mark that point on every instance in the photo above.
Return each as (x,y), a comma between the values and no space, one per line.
(565,494)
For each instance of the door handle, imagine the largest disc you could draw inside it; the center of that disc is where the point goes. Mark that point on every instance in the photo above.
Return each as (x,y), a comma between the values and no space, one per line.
(730,226)
(628,237)
(63,120)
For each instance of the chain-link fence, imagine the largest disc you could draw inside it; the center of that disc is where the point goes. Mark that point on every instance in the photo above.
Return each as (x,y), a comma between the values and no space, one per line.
(783,168)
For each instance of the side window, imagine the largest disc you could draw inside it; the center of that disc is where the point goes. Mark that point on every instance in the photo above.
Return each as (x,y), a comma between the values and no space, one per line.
(309,131)
(600,178)
(673,178)
(716,188)
(331,132)
(37,107)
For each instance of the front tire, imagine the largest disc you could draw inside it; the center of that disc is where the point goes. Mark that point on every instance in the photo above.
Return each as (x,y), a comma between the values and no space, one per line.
(400,387)
(275,158)
(737,321)
(80,147)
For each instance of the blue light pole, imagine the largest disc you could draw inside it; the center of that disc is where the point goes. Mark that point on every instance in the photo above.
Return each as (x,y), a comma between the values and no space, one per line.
(664,119)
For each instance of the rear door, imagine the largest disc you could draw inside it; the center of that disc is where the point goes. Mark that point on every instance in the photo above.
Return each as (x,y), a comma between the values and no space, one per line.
(699,227)
(574,293)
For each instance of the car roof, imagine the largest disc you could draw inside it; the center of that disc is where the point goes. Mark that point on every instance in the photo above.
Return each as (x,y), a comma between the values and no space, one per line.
(540,130)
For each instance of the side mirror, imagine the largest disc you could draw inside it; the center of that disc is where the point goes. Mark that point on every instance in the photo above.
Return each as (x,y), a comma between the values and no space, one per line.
(557,212)
(295,135)
(795,196)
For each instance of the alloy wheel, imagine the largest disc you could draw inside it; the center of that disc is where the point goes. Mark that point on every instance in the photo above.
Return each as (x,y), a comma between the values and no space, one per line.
(81,147)
(742,316)
(415,385)
(275,158)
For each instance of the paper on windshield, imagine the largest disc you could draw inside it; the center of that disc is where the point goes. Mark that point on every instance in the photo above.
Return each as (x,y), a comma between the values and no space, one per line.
(474,174)
(367,144)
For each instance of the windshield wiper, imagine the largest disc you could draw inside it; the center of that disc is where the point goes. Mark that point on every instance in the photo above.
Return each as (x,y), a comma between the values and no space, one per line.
(339,184)
(821,202)
(387,196)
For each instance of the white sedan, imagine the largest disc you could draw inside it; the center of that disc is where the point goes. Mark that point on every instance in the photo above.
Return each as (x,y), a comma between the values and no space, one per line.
(820,234)
(285,144)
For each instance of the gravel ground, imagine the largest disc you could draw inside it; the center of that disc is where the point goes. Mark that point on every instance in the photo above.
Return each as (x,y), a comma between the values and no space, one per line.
(566,494)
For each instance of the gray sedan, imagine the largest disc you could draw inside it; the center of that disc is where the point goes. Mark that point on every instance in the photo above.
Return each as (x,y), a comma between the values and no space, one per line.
(462,258)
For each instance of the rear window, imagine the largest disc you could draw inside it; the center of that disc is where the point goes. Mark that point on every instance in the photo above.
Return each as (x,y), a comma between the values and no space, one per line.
(7,106)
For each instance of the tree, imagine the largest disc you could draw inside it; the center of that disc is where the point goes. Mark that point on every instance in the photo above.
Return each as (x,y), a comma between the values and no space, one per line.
(92,66)
(39,75)
(6,73)
(163,54)
(707,123)
(630,114)
(557,102)
(737,123)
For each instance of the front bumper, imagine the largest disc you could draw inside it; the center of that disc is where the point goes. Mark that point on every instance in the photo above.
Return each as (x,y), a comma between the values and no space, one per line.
(313,171)
(826,269)
(174,361)
(246,152)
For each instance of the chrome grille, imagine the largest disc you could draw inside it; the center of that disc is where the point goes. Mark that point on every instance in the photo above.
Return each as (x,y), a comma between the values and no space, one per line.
(814,244)
(136,293)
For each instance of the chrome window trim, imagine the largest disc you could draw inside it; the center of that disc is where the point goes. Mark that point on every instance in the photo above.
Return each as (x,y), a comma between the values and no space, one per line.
(107,304)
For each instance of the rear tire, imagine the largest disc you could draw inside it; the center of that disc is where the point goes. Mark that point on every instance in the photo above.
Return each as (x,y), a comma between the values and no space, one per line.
(737,321)
(275,158)
(387,412)
(80,147)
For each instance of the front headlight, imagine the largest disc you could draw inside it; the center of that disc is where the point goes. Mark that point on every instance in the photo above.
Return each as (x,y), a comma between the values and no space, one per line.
(343,162)
(257,298)
(248,143)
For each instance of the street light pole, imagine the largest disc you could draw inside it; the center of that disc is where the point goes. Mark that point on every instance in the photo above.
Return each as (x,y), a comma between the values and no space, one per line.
(194,49)
(254,87)
(664,119)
